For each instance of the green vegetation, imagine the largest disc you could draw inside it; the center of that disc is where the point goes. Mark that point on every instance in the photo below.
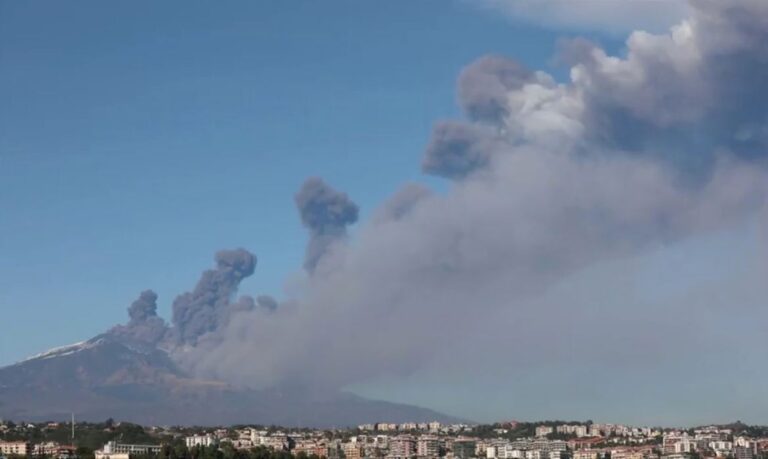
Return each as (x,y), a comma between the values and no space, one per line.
(226,451)
(89,436)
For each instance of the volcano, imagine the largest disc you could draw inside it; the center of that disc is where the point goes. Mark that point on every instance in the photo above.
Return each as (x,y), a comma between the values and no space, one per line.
(107,377)
(129,373)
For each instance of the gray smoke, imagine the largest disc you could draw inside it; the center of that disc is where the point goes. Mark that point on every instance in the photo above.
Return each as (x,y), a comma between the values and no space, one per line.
(402,203)
(208,306)
(144,307)
(326,213)
(485,84)
(267,303)
(247,303)
(548,181)
(144,325)
(202,315)
(457,149)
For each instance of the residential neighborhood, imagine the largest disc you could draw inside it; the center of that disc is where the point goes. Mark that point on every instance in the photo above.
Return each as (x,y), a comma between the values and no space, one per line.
(506,440)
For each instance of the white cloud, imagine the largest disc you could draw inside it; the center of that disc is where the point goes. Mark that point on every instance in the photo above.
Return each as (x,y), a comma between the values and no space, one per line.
(614,16)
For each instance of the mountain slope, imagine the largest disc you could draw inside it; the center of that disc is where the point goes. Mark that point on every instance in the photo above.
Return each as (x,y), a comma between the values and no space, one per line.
(107,377)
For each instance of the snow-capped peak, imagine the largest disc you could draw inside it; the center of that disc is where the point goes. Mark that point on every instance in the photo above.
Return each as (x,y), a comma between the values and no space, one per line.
(63,350)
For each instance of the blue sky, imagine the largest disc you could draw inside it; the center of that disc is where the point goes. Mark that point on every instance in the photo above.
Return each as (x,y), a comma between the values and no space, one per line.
(139,138)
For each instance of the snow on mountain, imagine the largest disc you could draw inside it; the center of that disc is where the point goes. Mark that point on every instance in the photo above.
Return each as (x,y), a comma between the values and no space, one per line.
(60,351)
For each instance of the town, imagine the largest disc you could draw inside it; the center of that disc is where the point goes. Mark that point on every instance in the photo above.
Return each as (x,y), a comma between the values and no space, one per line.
(507,440)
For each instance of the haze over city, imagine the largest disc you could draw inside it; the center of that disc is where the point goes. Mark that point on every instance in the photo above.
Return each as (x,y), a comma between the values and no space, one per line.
(320,212)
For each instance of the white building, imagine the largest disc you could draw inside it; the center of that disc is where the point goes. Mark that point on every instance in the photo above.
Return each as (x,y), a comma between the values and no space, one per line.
(200,440)
(543,431)
(114,450)
(258,437)
(16,448)
(535,454)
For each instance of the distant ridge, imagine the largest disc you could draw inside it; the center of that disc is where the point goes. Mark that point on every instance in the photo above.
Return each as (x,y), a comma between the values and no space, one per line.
(105,377)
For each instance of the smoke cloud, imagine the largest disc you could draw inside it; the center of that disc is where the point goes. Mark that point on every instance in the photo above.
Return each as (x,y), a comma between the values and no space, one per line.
(204,309)
(484,85)
(144,307)
(548,179)
(144,326)
(326,213)
(457,149)
(267,303)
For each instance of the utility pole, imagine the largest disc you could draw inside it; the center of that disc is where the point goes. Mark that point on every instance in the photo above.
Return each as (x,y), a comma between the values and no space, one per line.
(73,429)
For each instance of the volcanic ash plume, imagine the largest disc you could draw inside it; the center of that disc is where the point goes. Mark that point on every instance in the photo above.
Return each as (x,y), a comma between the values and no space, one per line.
(326,213)
(547,178)
(144,325)
(203,310)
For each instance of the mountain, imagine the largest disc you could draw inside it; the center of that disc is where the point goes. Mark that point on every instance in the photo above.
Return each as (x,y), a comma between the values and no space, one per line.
(108,377)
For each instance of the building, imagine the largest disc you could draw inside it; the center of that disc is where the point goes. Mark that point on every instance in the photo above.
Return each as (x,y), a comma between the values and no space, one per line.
(310,447)
(543,431)
(258,437)
(628,453)
(428,447)
(481,446)
(536,454)
(64,452)
(576,444)
(744,452)
(548,446)
(464,448)
(586,454)
(576,429)
(333,450)
(200,440)
(509,451)
(53,450)
(352,450)
(721,447)
(402,446)
(114,450)
(675,443)
(15,448)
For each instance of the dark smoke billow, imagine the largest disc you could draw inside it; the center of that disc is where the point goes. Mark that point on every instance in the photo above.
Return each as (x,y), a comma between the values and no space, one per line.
(458,149)
(202,310)
(326,213)
(201,313)
(484,86)
(144,307)
(144,326)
